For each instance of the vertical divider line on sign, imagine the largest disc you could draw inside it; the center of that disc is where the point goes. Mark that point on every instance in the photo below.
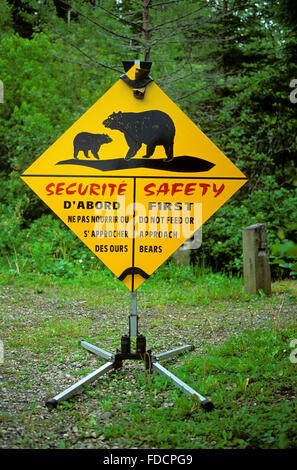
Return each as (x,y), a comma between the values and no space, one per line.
(133,241)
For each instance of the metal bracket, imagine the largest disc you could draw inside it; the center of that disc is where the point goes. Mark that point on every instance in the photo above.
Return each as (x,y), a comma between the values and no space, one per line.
(142,83)
(142,78)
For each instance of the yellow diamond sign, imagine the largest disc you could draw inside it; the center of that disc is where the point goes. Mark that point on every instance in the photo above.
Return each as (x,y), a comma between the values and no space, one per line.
(134,179)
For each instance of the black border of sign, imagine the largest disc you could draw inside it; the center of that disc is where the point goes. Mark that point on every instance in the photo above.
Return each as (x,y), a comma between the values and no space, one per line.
(152,177)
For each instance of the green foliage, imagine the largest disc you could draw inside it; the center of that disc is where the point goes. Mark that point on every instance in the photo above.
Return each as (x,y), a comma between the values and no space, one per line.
(5,18)
(284,252)
(12,206)
(222,236)
(217,60)
(46,247)
(42,98)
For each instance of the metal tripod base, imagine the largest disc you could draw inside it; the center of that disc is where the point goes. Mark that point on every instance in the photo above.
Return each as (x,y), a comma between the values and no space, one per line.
(115,362)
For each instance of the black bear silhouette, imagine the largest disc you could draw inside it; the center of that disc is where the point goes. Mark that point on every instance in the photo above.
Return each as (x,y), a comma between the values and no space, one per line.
(85,141)
(149,127)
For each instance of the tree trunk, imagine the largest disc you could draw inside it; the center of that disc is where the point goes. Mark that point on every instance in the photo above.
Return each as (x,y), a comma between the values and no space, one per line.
(146,33)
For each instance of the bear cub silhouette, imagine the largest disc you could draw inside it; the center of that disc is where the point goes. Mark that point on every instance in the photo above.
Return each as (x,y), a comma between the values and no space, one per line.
(149,127)
(85,141)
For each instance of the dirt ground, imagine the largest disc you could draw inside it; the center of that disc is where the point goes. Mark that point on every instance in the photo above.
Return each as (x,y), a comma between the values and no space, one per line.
(40,360)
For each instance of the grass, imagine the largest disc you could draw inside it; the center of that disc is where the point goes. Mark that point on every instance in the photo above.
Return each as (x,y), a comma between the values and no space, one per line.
(246,371)
(52,332)
(249,378)
(180,285)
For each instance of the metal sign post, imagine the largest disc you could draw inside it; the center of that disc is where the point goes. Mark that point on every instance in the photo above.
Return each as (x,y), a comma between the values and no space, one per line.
(133,319)
(115,361)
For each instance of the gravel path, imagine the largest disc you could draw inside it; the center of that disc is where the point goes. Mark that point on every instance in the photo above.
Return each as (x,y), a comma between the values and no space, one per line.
(41,360)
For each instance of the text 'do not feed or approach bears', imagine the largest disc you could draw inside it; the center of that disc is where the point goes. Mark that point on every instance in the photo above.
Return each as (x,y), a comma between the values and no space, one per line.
(86,141)
(151,128)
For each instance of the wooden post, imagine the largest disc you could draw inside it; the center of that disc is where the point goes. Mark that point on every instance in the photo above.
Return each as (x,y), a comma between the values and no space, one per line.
(256,268)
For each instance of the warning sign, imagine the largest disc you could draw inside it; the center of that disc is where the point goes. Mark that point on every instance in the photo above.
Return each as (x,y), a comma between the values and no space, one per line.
(134,179)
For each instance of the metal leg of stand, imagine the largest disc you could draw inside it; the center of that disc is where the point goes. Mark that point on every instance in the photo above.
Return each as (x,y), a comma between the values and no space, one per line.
(73,389)
(115,361)
(174,352)
(95,350)
(205,403)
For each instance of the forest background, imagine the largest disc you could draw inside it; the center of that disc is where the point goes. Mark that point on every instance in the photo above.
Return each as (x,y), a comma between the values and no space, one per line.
(231,66)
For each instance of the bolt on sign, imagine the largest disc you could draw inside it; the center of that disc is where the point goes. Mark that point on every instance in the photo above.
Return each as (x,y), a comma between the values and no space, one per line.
(134,179)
